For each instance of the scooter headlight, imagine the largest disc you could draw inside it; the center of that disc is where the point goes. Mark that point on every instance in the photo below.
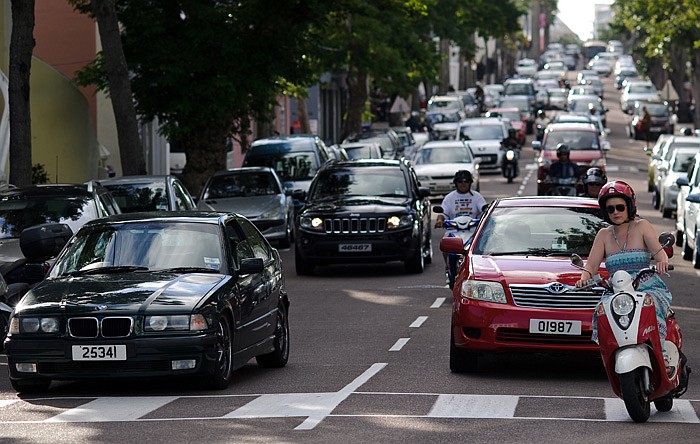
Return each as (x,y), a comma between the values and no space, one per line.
(510,155)
(622,304)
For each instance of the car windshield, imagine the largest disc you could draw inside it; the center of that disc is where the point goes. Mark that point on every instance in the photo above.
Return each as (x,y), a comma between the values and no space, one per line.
(455,154)
(583,105)
(517,89)
(152,246)
(656,110)
(577,140)
(481,132)
(242,184)
(360,152)
(443,104)
(18,212)
(442,117)
(143,196)
(296,165)
(348,182)
(642,89)
(542,231)
(521,104)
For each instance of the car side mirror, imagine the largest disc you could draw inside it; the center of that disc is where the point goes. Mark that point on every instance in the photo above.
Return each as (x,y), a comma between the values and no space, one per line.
(34,272)
(693,198)
(423,192)
(438,209)
(299,195)
(682,182)
(251,265)
(452,245)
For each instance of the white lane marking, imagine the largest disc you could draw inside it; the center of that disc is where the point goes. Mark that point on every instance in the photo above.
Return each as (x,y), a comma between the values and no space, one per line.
(418,322)
(315,406)
(113,409)
(438,302)
(474,406)
(682,411)
(398,345)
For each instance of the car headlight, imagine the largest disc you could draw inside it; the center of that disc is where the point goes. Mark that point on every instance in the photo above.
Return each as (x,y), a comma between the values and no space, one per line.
(194,322)
(422,178)
(395,222)
(311,223)
(34,325)
(272,213)
(622,304)
(483,291)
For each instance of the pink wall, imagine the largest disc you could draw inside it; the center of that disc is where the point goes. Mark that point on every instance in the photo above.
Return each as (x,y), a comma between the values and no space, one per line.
(65,40)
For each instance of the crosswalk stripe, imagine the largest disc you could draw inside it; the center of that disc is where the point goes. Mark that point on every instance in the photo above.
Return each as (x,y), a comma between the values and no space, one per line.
(113,409)
(474,406)
(682,411)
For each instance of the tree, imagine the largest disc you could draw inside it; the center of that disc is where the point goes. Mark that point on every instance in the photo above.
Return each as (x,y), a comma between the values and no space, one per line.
(206,68)
(21,48)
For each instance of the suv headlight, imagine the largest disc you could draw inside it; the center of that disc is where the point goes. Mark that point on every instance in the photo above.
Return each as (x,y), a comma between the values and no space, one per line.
(311,223)
(394,222)
(483,291)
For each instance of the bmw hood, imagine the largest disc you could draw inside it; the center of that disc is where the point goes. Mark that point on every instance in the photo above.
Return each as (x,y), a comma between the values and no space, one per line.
(525,269)
(251,207)
(133,293)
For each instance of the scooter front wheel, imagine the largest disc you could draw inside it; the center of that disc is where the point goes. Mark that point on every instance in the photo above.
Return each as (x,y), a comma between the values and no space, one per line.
(664,404)
(634,394)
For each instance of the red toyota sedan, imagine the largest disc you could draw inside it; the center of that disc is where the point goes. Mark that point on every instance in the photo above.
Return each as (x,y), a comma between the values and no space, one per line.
(511,293)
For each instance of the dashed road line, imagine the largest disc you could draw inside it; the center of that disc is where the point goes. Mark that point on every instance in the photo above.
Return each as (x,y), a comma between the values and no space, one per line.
(418,322)
(398,345)
(438,302)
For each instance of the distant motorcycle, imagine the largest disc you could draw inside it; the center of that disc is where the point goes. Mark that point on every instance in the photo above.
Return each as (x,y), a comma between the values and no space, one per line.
(461,227)
(509,164)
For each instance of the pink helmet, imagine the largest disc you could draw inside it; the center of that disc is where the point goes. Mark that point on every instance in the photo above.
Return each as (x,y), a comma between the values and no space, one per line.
(618,188)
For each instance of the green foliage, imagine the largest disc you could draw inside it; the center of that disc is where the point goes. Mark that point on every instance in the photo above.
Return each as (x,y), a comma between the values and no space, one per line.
(39,174)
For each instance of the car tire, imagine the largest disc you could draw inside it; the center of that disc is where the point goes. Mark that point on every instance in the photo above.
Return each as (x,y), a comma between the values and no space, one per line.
(696,254)
(687,252)
(280,355)
(679,238)
(428,255)
(221,377)
(461,361)
(301,266)
(655,199)
(416,264)
(30,385)
(286,242)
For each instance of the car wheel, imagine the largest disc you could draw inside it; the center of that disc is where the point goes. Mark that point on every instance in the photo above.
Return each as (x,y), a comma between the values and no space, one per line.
(666,212)
(655,199)
(679,238)
(696,254)
(461,361)
(687,252)
(286,242)
(280,355)
(428,258)
(30,385)
(224,352)
(302,267)
(416,264)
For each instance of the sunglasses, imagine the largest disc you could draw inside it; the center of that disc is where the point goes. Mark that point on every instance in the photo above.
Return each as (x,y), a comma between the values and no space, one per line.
(612,208)
(463,181)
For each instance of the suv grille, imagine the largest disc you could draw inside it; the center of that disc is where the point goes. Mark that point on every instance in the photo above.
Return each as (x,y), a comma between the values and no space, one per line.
(111,327)
(540,296)
(354,225)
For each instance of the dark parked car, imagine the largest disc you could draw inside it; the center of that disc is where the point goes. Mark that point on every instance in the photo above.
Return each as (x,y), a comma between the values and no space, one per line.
(150,193)
(23,207)
(153,295)
(364,211)
(257,194)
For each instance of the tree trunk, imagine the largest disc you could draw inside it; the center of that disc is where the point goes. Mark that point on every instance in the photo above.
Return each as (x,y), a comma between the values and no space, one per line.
(303,115)
(21,48)
(357,99)
(678,58)
(130,149)
(444,66)
(696,87)
(206,152)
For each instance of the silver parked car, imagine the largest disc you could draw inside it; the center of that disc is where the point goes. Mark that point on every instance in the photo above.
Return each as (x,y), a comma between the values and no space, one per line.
(257,194)
(149,193)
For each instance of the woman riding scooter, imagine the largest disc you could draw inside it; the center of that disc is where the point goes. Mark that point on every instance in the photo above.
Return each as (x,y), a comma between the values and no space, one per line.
(629,244)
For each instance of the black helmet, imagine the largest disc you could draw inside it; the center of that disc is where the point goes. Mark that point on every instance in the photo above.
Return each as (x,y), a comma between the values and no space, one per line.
(563,148)
(512,131)
(595,176)
(463,175)
(686,131)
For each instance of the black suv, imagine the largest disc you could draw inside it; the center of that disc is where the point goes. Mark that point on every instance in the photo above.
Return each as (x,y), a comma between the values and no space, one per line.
(364,211)
(23,207)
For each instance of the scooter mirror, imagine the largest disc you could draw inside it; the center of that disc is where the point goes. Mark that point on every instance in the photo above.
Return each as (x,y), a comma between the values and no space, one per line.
(438,209)
(666,238)
(576,260)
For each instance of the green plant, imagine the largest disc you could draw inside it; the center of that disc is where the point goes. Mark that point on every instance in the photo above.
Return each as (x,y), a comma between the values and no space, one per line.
(39,174)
